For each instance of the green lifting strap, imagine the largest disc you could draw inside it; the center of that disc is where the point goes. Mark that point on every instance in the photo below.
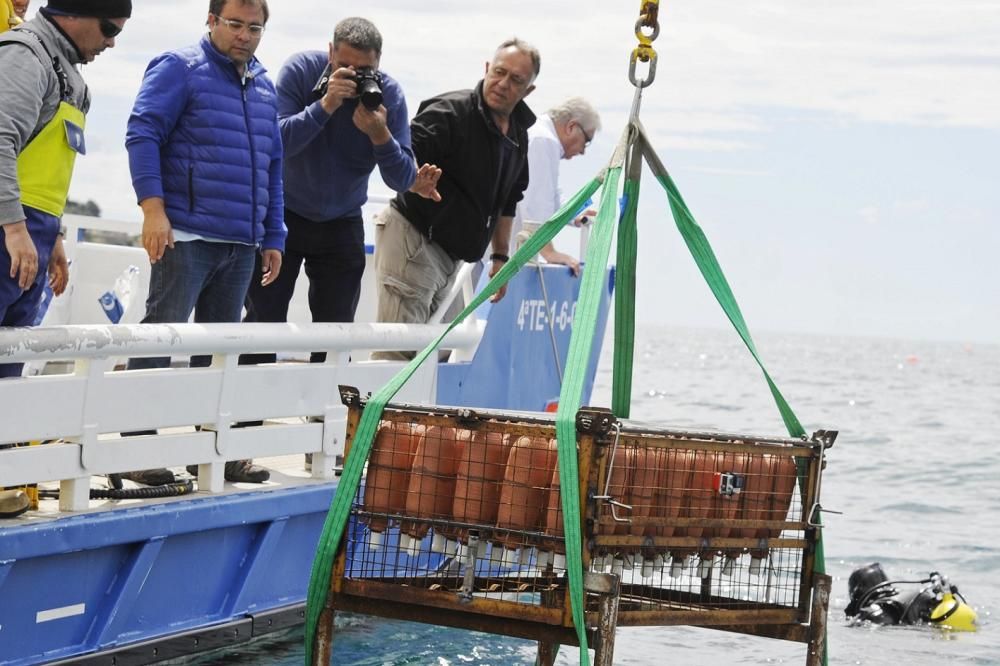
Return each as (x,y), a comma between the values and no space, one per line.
(340,508)
(625,267)
(700,249)
(577,360)
(580,349)
(704,257)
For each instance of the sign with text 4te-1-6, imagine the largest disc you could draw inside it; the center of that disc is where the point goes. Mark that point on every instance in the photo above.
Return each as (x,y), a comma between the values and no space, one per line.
(534,314)
(522,356)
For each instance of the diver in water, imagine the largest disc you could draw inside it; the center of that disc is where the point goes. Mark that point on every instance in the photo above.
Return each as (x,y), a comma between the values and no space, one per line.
(934,601)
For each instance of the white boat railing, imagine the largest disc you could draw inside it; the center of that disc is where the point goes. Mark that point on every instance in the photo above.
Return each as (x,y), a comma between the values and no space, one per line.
(81,415)
(94,266)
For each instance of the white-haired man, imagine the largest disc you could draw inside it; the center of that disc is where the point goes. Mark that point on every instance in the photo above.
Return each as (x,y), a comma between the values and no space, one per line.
(562,133)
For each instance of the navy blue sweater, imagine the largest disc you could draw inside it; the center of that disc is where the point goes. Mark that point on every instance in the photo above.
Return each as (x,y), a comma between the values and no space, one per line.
(328,160)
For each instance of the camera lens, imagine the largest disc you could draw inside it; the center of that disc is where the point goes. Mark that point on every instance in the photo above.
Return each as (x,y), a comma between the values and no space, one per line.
(369,83)
(370,94)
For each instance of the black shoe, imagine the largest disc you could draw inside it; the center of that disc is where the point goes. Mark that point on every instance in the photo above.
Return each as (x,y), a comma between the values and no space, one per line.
(150,477)
(245,471)
(13,503)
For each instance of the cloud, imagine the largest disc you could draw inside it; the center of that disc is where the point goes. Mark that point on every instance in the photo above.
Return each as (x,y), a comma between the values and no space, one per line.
(718,171)
(899,212)
(726,70)
(870,215)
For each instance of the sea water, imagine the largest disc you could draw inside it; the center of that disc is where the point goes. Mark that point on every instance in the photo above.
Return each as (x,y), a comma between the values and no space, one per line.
(915,471)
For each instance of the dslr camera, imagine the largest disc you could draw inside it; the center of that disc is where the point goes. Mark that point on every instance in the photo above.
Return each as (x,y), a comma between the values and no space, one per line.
(369,82)
(367,79)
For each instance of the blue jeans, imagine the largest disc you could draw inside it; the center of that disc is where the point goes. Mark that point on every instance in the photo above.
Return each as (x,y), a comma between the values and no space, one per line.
(210,279)
(19,308)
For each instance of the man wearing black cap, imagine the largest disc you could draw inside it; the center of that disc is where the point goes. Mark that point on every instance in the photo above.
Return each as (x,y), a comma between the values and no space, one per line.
(40,136)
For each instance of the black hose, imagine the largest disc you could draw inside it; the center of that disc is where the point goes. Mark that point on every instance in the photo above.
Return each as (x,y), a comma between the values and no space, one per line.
(863,600)
(151,492)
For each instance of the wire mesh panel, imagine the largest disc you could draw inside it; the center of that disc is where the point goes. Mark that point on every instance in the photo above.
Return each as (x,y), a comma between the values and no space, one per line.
(696,523)
(457,507)
(462,511)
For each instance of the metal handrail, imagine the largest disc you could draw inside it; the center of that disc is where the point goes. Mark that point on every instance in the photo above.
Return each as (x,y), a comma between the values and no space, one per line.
(55,343)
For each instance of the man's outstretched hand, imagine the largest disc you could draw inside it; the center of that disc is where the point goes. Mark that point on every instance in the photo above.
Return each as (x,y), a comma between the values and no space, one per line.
(426,183)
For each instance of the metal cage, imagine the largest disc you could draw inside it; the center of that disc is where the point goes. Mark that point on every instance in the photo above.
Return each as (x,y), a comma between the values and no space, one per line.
(459,522)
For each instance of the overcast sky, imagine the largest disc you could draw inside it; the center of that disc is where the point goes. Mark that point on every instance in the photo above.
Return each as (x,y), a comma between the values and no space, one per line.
(842,157)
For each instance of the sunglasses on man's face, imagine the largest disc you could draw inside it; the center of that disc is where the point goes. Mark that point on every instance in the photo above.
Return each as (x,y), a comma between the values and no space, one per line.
(109,28)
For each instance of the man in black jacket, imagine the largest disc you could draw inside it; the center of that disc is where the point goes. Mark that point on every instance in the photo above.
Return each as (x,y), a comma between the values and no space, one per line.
(479,140)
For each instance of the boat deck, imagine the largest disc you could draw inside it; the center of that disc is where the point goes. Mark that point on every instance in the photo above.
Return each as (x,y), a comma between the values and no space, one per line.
(287,471)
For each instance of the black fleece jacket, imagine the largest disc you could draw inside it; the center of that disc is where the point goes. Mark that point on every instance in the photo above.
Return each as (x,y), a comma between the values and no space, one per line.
(456,132)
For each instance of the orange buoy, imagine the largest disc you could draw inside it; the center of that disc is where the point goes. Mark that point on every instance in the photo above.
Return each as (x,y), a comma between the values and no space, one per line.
(431,488)
(554,527)
(388,474)
(756,500)
(479,477)
(446,536)
(678,468)
(523,495)
(784,476)
(645,492)
(730,479)
(698,503)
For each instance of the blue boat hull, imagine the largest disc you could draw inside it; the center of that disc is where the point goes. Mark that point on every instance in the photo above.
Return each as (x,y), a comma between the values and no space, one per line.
(93,582)
(161,580)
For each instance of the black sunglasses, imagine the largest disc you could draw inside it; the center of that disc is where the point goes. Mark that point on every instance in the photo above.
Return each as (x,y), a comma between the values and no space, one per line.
(109,28)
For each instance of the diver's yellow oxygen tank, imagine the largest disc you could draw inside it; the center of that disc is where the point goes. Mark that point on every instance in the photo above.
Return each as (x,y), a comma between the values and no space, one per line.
(954,614)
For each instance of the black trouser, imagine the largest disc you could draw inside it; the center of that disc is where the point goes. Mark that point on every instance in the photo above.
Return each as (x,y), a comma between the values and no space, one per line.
(334,255)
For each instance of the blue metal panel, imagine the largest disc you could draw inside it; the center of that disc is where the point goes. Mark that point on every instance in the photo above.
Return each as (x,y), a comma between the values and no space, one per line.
(107,625)
(282,578)
(111,578)
(190,582)
(523,350)
(259,557)
(51,602)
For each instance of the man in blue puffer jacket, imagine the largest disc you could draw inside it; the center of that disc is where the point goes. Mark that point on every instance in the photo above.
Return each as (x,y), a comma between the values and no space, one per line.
(205,155)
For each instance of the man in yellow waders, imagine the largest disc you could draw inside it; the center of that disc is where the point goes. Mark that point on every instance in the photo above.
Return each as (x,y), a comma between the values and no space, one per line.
(40,136)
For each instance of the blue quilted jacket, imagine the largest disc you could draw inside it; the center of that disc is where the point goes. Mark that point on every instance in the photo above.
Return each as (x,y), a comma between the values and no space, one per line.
(209,144)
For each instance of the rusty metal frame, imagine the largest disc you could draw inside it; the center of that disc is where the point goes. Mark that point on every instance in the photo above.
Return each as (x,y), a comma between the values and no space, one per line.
(550,621)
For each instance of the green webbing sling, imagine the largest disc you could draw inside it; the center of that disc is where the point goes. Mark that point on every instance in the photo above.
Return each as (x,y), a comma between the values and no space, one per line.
(581,345)
(704,257)
(577,361)
(625,267)
(340,508)
(700,249)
